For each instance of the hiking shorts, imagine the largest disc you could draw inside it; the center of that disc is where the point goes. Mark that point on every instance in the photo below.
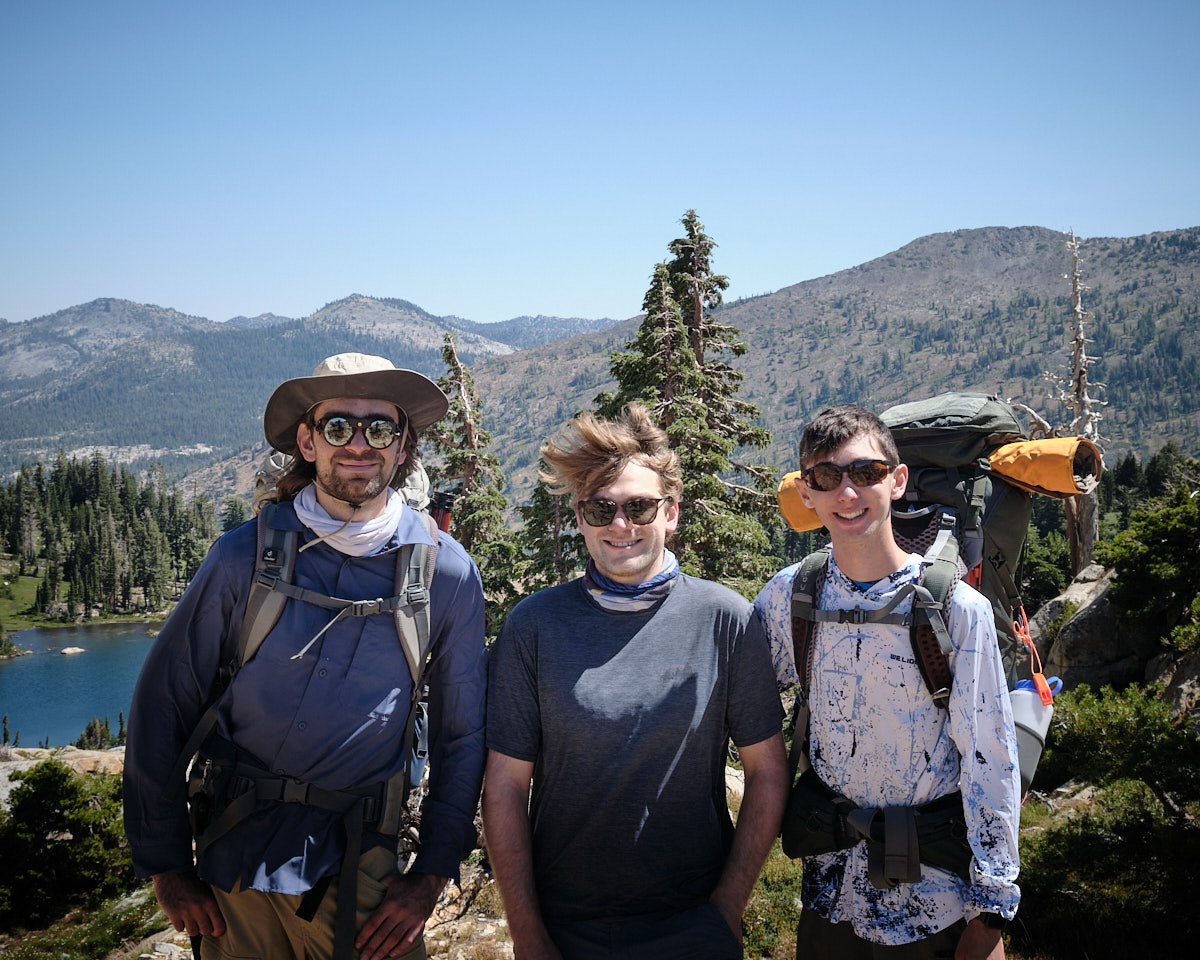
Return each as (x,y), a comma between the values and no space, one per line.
(264,926)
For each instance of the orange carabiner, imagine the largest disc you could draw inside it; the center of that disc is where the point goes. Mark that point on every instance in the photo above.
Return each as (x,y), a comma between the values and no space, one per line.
(1021,630)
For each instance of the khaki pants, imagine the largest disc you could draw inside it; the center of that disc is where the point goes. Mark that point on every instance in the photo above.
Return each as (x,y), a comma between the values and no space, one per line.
(264,926)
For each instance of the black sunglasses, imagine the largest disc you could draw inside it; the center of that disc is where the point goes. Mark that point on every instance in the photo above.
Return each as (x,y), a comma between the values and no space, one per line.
(339,429)
(826,476)
(639,510)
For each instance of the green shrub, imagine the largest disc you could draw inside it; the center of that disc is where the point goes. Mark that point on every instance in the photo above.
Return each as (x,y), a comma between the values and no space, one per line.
(1118,878)
(770,918)
(1185,638)
(1119,881)
(61,843)
(1128,735)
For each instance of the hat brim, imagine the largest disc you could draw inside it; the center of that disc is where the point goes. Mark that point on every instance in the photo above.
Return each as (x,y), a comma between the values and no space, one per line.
(414,393)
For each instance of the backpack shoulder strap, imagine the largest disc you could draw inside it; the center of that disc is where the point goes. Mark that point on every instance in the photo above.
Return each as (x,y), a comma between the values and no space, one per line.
(274,562)
(806,592)
(414,572)
(931,597)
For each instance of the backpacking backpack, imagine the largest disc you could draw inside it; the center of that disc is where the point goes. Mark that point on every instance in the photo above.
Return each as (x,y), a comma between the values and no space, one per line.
(274,570)
(963,518)
(966,509)
(945,441)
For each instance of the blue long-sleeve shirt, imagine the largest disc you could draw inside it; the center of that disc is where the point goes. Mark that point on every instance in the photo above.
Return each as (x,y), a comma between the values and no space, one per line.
(334,718)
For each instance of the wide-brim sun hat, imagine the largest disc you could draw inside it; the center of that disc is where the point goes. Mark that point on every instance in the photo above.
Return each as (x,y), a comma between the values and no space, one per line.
(356,375)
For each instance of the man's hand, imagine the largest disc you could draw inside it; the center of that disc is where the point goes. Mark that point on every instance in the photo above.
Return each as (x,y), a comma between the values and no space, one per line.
(189,904)
(408,901)
(757,826)
(732,912)
(979,942)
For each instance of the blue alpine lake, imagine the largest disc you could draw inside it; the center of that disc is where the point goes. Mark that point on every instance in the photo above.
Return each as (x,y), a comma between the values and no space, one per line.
(46,693)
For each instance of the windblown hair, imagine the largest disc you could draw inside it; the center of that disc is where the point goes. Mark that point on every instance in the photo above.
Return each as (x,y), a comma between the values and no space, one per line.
(299,473)
(590,454)
(835,426)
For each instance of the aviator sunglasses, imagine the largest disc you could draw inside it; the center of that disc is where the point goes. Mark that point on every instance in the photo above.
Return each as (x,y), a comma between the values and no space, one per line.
(827,476)
(339,429)
(639,510)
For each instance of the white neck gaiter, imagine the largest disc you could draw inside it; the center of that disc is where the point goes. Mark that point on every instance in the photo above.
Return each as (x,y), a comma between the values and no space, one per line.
(361,538)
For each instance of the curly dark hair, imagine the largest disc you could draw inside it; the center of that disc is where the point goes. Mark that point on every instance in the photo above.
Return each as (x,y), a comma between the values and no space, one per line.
(835,426)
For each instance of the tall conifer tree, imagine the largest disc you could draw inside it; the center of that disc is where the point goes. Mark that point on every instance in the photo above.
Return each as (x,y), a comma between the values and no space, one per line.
(678,364)
(552,549)
(478,515)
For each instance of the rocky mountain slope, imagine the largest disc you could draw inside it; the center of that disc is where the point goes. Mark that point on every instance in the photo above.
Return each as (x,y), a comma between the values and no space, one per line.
(983,309)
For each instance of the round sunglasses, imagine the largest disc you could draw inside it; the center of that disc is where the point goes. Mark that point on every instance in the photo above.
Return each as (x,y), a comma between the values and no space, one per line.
(827,476)
(638,510)
(339,429)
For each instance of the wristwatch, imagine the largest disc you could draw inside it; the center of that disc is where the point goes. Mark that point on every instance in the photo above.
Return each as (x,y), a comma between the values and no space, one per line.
(993,921)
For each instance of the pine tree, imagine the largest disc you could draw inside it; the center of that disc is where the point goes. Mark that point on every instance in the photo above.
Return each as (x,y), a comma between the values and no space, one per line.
(552,549)
(233,512)
(678,366)
(478,517)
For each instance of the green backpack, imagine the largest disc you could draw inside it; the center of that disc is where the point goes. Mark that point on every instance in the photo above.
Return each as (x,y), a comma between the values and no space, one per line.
(967,522)
(945,441)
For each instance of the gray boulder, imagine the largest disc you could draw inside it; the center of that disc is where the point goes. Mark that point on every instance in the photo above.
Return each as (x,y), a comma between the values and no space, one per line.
(1094,645)
(1180,679)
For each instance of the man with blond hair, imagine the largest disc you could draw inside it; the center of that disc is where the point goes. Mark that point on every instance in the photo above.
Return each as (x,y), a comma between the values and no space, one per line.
(616,695)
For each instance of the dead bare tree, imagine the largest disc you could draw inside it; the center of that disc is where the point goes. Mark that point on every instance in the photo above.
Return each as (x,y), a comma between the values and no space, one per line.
(1083,511)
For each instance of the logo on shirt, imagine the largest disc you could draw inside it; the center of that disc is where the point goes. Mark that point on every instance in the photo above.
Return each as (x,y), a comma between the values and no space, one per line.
(900,659)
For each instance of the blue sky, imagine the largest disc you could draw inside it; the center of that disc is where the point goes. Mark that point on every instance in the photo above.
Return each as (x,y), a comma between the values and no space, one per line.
(497,159)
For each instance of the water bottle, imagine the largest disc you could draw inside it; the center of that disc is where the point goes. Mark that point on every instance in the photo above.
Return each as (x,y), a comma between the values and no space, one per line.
(1031,714)
(440,506)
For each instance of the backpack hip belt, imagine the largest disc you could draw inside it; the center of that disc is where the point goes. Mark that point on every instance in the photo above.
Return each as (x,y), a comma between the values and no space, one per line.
(899,839)
(232,790)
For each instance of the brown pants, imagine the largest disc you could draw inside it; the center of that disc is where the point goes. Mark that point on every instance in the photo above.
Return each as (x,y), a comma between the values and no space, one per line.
(264,926)
(818,939)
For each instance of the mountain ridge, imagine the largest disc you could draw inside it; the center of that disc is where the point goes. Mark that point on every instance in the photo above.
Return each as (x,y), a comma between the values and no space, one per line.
(983,309)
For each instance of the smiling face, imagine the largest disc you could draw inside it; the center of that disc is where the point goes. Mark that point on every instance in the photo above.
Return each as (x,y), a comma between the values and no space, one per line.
(859,519)
(628,552)
(356,475)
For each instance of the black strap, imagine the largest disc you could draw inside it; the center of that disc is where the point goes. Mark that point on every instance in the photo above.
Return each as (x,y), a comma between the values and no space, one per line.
(806,595)
(310,903)
(347,902)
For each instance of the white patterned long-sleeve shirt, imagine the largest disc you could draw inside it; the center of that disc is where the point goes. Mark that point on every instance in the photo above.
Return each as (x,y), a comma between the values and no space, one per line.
(877,737)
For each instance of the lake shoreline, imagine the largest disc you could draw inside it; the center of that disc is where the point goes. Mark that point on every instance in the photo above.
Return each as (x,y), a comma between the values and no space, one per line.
(52,698)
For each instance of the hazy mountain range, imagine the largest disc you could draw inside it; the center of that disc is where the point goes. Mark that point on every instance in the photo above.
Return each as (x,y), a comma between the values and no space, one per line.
(983,309)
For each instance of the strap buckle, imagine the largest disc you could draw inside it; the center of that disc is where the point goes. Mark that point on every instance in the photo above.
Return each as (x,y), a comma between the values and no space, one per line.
(365,608)
(416,593)
(295,791)
(266,578)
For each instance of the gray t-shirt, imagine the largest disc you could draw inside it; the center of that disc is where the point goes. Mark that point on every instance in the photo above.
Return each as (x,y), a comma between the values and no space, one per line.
(627,717)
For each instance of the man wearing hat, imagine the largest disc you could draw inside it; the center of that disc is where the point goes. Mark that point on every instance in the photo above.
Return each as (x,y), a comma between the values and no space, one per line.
(313,731)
